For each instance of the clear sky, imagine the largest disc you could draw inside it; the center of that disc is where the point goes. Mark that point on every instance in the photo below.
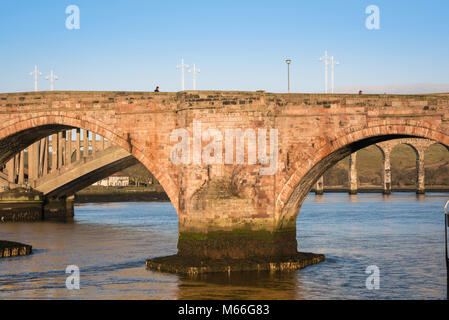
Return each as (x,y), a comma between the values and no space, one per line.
(238,45)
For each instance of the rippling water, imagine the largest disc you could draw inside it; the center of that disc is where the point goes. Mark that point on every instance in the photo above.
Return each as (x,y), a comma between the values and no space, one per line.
(401,234)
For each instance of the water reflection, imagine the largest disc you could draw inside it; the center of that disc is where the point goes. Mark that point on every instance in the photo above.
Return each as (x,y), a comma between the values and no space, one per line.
(239,285)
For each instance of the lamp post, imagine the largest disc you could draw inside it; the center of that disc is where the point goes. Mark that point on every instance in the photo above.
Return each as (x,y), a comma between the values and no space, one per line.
(288,61)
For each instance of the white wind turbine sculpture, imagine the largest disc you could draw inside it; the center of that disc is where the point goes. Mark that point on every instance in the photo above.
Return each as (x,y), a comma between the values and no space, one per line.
(194,71)
(182,66)
(36,73)
(333,64)
(52,77)
(325,59)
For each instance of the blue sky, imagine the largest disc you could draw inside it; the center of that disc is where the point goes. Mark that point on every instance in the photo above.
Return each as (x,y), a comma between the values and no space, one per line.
(238,45)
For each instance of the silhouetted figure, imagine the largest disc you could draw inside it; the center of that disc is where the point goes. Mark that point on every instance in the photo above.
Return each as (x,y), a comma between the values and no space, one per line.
(360,91)
(156,90)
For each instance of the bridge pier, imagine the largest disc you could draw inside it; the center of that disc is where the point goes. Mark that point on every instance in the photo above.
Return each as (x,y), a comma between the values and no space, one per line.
(353,185)
(235,249)
(21,162)
(85,143)
(10,167)
(420,172)
(386,169)
(78,144)
(224,229)
(68,150)
(319,188)
(58,209)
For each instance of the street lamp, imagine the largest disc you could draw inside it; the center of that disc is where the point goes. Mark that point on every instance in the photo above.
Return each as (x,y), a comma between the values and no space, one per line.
(288,61)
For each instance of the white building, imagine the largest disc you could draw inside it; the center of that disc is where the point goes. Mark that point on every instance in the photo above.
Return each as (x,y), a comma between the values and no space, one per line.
(116,180)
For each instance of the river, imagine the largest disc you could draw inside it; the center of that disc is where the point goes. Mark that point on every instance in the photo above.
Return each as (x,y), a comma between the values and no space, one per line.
(401,234)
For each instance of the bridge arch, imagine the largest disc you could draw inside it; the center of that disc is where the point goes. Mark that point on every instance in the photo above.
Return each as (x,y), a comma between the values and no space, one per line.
(329,152)
(17,135)
(415,153)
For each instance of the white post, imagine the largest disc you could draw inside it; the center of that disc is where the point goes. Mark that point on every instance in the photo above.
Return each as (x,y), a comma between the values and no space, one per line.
(194,71)
(333,64)
(36,73)
(52,79)
(182,66)
(325,58)
(288,61)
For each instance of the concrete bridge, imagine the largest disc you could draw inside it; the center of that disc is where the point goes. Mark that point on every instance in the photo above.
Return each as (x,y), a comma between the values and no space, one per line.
(229,206)
(65,156)
(63,164)
(66,181)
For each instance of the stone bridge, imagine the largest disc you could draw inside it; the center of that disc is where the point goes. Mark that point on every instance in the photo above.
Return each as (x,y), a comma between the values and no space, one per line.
(233,199)
(419,146)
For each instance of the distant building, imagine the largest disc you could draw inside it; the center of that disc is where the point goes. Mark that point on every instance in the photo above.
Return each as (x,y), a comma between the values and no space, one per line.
(116,180)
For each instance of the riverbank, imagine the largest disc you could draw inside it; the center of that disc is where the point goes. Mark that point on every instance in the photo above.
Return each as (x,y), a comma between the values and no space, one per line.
(121,194)
(13,249)
(155,193)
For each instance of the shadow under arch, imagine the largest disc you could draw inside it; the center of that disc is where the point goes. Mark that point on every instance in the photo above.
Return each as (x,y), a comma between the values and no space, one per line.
(17,135)
(341,145)
(436,143)
(395,174)
(408,145)
(377,166)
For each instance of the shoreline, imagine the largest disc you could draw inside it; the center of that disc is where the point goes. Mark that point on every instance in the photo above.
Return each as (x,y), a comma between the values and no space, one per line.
(158,195)
(144,196)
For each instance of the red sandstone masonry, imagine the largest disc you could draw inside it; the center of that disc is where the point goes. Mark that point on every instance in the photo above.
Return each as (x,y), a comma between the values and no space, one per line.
(312,129)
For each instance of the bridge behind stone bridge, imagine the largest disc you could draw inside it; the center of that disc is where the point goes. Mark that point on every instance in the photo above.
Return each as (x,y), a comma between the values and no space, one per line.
(62,164)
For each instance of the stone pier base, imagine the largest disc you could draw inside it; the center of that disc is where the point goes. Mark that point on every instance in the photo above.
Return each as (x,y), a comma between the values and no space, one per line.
(236,250)
(59,209)
(20,205)
(193,266)
(13,249)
